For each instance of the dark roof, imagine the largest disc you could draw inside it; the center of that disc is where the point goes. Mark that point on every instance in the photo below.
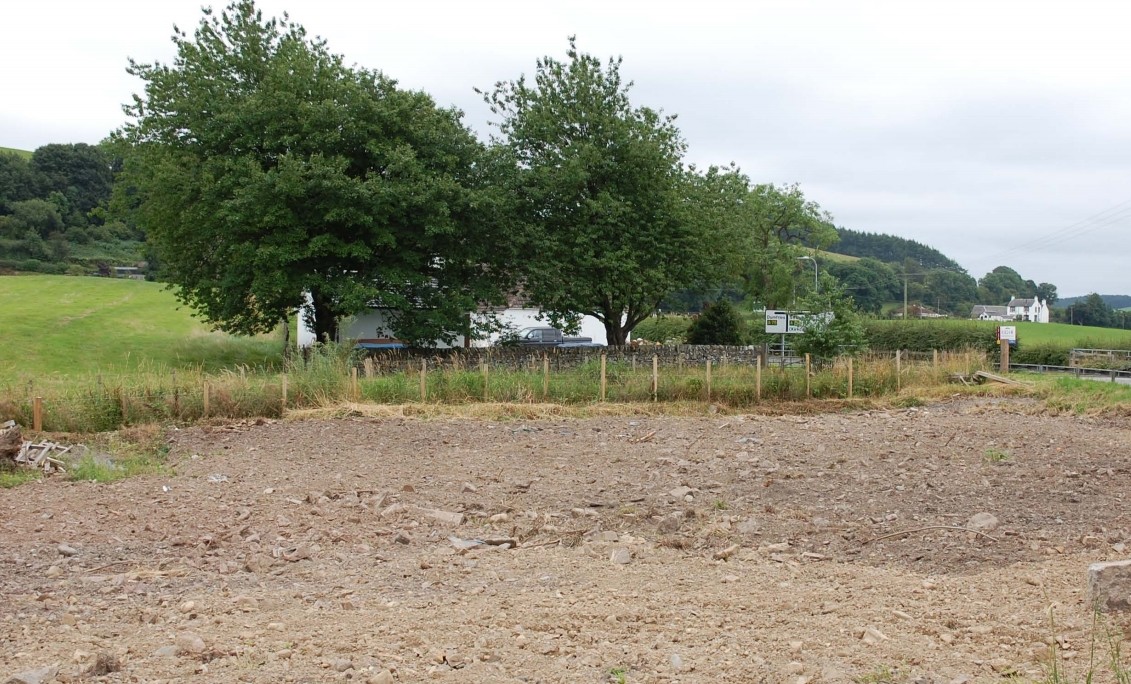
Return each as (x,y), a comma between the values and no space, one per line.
(1022,302)
(990,309)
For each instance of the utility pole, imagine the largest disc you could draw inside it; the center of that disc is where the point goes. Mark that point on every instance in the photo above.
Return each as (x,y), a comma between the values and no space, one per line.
(905,276)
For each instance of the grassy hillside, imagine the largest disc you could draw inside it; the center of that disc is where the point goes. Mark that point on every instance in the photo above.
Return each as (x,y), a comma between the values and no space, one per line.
(839,258)
(67,326)
(23,153)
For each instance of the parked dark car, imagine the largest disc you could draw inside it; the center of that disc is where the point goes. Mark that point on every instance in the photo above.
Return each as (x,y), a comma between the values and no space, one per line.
(551,337)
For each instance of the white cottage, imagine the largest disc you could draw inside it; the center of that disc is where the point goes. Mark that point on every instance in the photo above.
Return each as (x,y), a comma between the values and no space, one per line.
(1033,310)
(371,328)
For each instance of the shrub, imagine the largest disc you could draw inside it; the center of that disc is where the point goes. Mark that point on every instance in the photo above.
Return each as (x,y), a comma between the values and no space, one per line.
(925,336)
(662,329)
(1045,354)
(718,324)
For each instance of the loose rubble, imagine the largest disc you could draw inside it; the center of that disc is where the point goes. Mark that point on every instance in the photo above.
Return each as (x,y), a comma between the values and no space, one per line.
(828,548)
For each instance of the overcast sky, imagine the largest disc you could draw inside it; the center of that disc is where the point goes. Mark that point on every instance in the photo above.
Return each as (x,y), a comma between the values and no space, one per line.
(997,132)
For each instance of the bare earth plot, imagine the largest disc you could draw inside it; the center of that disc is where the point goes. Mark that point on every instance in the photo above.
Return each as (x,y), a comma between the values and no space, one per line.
(720,549)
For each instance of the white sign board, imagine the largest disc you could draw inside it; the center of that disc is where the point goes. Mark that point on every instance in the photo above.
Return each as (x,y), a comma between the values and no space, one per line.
(777,322)
(793,322)
(1007,333)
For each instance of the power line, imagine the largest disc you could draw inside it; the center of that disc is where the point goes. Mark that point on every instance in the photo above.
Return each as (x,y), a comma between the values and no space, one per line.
(1099,220)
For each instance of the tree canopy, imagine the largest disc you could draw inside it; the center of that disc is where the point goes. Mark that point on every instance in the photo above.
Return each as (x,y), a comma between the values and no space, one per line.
(611,219)
(262,167)
(774,223)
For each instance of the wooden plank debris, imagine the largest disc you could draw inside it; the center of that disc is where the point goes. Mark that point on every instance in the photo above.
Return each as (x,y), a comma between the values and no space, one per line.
(982,376)
(45,456)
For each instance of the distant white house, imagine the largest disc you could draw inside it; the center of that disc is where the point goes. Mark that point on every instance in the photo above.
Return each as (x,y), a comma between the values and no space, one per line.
(371,328)
(1033,310)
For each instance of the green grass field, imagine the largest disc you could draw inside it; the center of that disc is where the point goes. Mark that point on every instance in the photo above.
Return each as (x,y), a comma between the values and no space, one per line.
(23,153)
(54,326)
(1054,334)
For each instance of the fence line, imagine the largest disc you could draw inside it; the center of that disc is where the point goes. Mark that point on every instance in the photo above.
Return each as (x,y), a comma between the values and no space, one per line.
(183,398)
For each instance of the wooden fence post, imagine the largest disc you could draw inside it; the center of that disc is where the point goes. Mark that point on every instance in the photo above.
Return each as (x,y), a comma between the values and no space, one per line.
(758,378)
(207,392)
(603,378)
(1004,356)
(655,377)
(37,414)
(486,380)
(708,379)
(545,377)
(368,363)
(808,375)
(355,391)
(850,377)
(283,402)
(423,380)
(935,362)
(898,370)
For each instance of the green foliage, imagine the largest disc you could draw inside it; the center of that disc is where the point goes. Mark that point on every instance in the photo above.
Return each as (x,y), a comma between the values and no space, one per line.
(826,338)
(1002,284)
(869,282)
(1092,310)
(261,166)
(17,477)
(952,291)
(79,173)
(718,324)
(32,218)
(774,223)
(892,249)
(663,329)
(602,195)
(17,180)
(1040,354)
(1114,301)
(994,455)
(925,336)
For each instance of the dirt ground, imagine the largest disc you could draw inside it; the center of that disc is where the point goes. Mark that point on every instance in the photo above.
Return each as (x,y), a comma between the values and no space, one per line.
(728,548)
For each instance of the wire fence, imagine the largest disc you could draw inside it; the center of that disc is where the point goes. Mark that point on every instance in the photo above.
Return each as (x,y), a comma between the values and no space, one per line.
(100,403)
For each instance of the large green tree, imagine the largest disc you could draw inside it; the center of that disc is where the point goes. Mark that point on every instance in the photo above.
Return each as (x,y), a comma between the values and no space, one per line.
(869,282)
(261,167)
(1003,283)
(612,221)
(949,290)
(776,222)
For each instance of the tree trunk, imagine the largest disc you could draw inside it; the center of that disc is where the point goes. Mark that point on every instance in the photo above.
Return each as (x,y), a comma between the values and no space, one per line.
(325,318)
(615,334)
(286,337)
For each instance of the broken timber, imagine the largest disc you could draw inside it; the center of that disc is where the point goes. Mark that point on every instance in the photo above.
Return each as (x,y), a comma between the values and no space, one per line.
(982,376)
(45,456)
